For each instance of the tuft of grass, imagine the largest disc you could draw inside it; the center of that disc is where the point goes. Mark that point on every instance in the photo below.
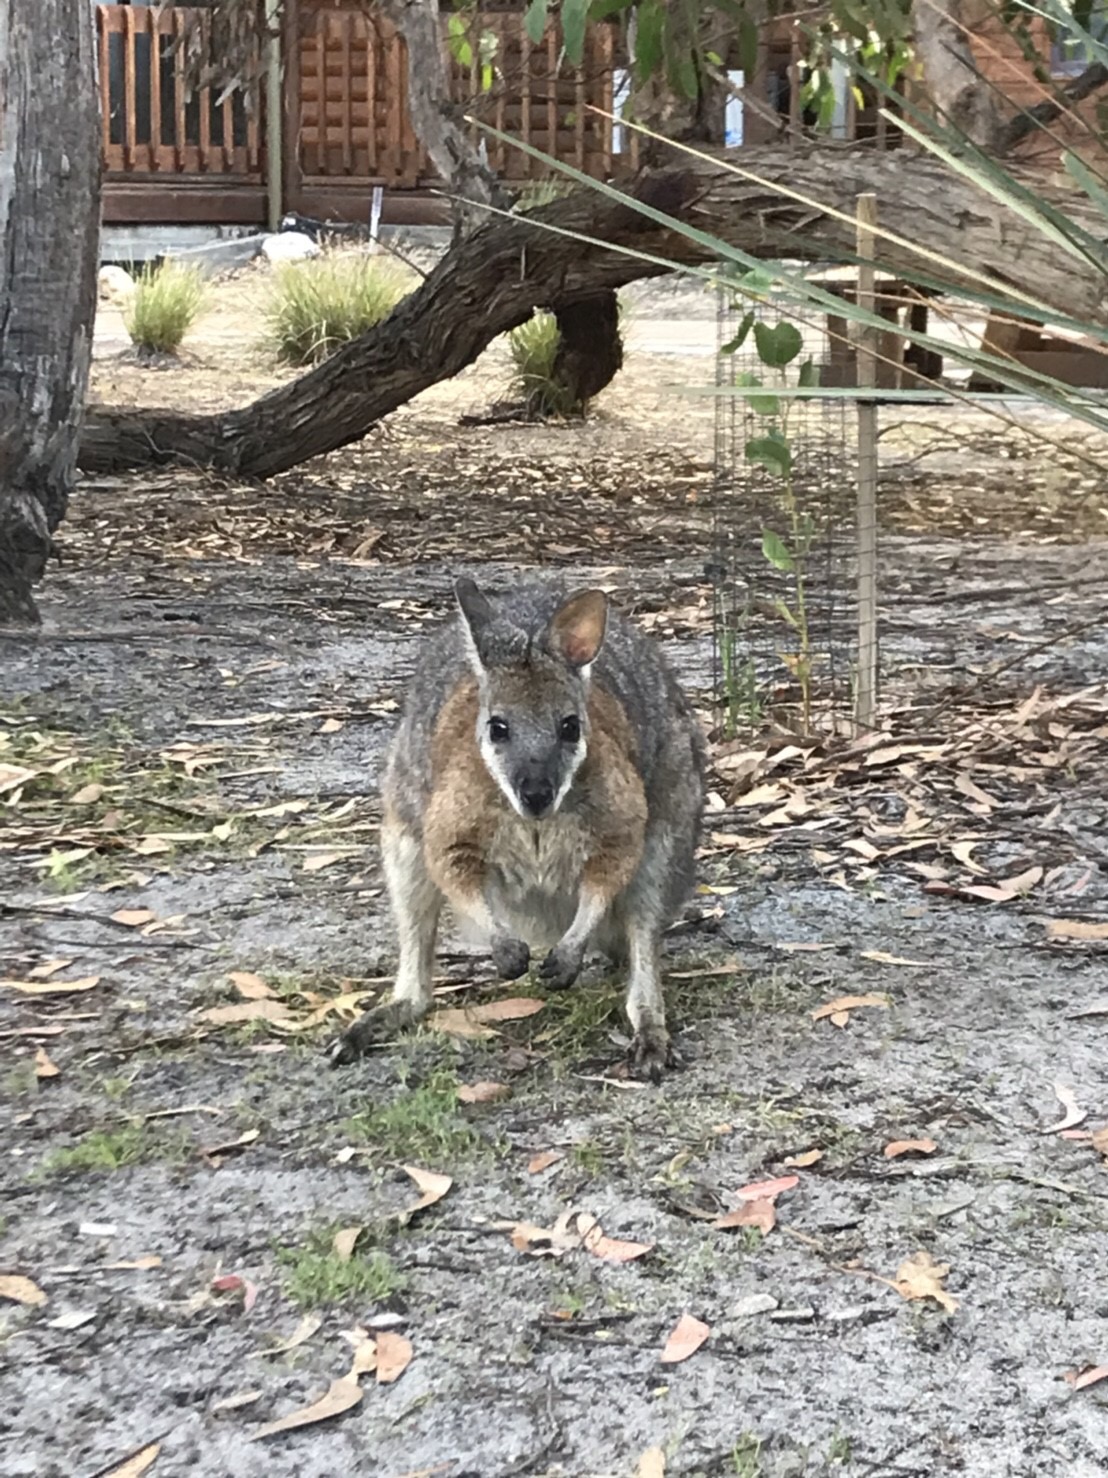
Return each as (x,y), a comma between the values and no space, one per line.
(423,1123)
(316,1277)
(320,304)
(746,1456)
(112,1149)
(534,348)
(575,1020)
(166,303)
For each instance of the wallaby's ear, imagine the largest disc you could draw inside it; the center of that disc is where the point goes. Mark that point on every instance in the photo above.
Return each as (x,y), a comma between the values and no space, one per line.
(577,627)
(476,615)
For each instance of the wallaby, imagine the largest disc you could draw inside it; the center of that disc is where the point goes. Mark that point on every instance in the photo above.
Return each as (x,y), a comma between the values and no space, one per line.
(547,781)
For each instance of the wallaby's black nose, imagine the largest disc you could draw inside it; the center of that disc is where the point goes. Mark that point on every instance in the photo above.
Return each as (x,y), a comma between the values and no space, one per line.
(537,796)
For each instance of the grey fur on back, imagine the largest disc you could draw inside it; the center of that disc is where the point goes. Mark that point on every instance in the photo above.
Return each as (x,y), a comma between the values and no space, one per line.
(630,667)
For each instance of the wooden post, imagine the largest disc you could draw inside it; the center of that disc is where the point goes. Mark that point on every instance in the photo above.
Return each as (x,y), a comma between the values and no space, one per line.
(274,117)
(866,704)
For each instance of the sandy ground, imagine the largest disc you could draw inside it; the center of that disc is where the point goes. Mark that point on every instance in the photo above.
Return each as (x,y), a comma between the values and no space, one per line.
(202,720)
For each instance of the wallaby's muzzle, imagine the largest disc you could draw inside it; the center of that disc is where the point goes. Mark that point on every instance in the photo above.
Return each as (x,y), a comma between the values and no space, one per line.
(536,793)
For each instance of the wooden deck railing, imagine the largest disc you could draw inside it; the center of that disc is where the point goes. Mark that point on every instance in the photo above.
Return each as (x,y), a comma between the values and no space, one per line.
(151,123)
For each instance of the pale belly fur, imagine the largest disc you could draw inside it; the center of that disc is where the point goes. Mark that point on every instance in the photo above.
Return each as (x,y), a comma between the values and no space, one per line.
(534,879)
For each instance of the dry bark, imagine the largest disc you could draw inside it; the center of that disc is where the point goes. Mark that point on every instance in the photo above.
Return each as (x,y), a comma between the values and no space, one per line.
(49,228)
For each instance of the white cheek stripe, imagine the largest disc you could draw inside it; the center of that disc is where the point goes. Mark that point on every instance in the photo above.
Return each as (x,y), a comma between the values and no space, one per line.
(578,761)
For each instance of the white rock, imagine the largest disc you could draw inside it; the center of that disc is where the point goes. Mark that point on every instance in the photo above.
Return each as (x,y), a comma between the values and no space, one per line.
(115,285)
(754,1303)
(289,246)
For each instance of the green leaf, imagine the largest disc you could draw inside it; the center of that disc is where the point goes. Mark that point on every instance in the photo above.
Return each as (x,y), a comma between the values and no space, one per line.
(575,15)
(809,374)
(648,38)
(740,338)
(1087,181)
(786,615)
(486,78)
(778,344)
(748,46)
(776,550)
(713,57)
(761,405)
(534,21)
(771,451)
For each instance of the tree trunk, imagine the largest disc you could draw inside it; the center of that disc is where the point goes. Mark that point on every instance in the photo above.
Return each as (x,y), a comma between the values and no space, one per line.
(493,281)
(49,228)
(962,96)
(590,353)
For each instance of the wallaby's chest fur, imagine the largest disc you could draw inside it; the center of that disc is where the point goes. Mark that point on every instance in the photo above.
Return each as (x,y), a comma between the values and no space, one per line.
(530,872)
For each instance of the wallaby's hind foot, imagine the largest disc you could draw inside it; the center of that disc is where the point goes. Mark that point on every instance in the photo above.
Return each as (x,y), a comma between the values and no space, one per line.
(651,1052)
(371,1028)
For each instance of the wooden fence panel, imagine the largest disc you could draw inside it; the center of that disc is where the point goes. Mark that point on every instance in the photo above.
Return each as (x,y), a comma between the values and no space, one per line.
(151,124)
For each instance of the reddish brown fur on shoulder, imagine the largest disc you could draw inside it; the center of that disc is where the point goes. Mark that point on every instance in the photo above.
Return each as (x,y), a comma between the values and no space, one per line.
(461,814)
(615,794)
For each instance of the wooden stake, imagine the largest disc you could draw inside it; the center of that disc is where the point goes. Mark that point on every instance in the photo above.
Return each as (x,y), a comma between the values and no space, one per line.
(866,708)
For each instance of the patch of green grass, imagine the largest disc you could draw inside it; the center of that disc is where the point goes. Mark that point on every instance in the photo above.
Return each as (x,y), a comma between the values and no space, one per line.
(166,302)
(587,1157)
(746,1456)
(841,1450)
(574,1019)
(320,304)
(316,1277)
(114,1149)
(534,349)
(424,1123)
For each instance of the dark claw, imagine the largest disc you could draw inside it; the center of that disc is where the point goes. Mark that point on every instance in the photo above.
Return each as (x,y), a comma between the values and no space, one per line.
(375,1026)
(651,1053)
(560,968)
(511,957)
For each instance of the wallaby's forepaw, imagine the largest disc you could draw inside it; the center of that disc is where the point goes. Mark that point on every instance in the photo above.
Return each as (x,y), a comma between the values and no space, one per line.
(370,1028)
(561,967)
(652,1052)
(511,957)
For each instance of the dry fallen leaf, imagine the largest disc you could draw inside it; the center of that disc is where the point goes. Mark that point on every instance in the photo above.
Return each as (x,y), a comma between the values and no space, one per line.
(47,968)
(236,1283)
(514,1008)
(652,1464)
(539,1241)
(21,1290)
(44,1068)
(1099,1141)
(879,957)
(87,795)
(433,1186)
(51,987)
(544,1160)
(801,1162)
(473,1021)
(133,1264)
(899,1147)
(1074,1113)
(608,1249)
(769,1190)
(1075,929)
(330,726)
(341,1396)
(319,860)
(1088,1376)
(250,987)
(685,1339)
(840,1008)
(134,918)
(303,1332)
(456,1021)
(483,1092)
(13,776)
(343,1243)
(235,1402)
(216,1152)
(394,1355)
(921,1276)
(136,1464)
(263,1010)
(761,1214)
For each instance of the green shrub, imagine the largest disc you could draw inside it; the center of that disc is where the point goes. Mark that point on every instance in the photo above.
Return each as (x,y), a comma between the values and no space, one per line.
(165,304)
(320,304)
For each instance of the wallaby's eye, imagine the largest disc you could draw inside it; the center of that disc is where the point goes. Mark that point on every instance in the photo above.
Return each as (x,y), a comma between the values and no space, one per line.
(570,729)
(498,730)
